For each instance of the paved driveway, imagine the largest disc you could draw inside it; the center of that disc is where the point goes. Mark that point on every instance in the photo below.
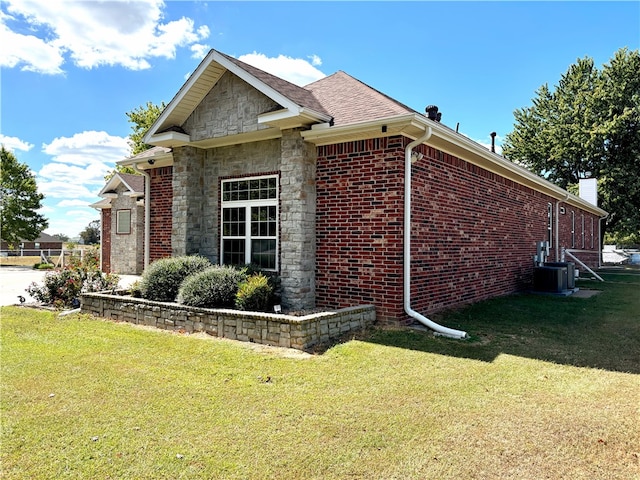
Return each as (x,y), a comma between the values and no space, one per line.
(14,281)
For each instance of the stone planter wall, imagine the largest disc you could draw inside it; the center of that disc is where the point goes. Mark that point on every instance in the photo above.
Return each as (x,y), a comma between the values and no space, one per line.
(269,329)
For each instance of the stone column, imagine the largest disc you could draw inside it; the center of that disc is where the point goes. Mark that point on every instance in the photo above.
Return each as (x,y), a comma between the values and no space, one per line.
(186,230)
(297,221)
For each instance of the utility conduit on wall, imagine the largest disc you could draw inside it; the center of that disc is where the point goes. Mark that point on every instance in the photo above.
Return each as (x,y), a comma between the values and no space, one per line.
(437,328)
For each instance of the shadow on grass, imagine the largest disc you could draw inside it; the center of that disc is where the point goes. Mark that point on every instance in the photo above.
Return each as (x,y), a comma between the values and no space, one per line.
(598,332)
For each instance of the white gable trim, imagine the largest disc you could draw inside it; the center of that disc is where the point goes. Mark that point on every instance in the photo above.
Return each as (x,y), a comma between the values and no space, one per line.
(198,86)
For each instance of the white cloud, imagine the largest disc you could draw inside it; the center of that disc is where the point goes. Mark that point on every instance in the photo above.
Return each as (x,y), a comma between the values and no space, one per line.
(316,61)
(199,50)
(79,165)
(295,70)
(14,143)
(88,147)
(125,33)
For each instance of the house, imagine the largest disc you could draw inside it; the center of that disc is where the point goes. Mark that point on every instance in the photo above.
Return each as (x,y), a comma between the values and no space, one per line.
(353,197)
(45,243)
(122,223)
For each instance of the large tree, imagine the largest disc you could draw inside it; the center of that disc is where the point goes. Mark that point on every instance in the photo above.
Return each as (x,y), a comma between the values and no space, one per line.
(91,234)
(588,126)
(141,119)
(19,201)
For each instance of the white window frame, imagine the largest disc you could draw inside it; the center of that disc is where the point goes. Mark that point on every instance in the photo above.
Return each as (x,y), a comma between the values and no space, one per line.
(119,213)
(248,204)
(550,224)
(573,229)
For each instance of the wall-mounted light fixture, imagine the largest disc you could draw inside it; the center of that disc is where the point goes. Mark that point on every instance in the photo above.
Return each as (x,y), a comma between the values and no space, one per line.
(151,161)
(416,156)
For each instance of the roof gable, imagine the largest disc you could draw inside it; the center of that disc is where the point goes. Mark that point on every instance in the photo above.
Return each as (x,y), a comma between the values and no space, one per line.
(296,102)
(133,183)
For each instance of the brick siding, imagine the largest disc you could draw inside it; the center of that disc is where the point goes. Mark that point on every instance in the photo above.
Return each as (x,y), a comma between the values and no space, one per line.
(161,213)
(473,232)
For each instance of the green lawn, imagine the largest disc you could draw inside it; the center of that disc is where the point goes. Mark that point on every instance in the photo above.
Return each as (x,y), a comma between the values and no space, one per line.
(545,388)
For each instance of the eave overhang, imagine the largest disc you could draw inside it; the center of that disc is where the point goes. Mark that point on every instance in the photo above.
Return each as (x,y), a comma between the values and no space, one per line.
(163,159)
(448,141)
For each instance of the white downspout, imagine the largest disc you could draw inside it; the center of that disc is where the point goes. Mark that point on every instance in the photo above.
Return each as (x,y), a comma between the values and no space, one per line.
(438,329)
(147,212)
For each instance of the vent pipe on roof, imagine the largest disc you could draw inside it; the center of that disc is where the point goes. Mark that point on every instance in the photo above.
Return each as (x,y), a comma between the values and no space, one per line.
(493,141)
(432,113)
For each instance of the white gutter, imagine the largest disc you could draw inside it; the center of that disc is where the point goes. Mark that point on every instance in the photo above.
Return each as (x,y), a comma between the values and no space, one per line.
(438,329)
(147,212)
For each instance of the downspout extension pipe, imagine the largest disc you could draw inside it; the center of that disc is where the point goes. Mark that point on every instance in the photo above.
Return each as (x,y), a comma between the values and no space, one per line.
(147,212)
(437,328)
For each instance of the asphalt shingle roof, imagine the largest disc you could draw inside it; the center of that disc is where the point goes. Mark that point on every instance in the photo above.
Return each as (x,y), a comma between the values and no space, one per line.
(349,100)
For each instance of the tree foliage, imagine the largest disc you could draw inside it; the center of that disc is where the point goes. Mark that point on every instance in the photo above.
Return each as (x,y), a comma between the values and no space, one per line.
(588,126)
(91,234)
(19,201)
(141,119)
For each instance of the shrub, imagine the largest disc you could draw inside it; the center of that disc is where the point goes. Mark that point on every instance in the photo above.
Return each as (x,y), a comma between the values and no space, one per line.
(254,294)
(62,287)
(162,279)
(213,287)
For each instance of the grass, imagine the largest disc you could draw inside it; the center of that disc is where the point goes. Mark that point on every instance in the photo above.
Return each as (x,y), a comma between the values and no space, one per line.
(546,388)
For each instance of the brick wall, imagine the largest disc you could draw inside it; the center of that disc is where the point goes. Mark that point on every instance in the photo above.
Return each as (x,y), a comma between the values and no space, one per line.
(473,232)
(359,225)
(161,213)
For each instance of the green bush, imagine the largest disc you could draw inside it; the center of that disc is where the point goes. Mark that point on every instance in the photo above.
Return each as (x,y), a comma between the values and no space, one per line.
(62,287)
(254,294)
(162,279)
(213,287)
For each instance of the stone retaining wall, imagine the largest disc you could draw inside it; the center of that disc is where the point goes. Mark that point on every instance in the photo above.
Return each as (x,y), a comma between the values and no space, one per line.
(269,329)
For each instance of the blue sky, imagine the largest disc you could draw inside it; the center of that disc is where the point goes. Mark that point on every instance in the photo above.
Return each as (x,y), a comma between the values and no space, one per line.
(70,70)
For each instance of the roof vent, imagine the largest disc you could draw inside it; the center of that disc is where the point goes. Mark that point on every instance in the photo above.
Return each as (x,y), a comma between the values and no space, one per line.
(432,113)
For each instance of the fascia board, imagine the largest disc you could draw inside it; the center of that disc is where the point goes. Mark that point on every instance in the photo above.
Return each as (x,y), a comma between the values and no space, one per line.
(162,160)
(168,139)
(445,139)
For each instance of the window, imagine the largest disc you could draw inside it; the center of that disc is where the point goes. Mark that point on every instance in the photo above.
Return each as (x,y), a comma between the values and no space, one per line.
(573,229)
(550,224)
(592,232)
(583,230)
(123,222)
(250,222)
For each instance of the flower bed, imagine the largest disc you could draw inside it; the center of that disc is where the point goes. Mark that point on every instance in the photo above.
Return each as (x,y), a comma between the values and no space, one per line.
(300,332)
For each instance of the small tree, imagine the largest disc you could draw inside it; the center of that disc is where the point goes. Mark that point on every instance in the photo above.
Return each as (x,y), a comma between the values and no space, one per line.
(19,201)
(61,236)
(142,118)
(91,234)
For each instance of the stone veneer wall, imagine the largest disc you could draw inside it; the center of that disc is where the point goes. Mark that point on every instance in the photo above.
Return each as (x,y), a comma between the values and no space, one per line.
(269,329)
(127,252)
(297,221)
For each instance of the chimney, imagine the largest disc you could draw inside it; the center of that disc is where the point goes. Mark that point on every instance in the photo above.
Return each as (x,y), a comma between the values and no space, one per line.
(588,190)
(432,113)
